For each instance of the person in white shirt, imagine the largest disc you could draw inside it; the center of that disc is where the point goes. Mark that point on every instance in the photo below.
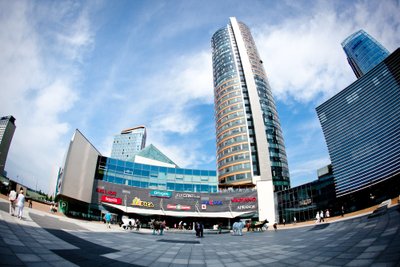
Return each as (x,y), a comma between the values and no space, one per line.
(20,203)
(11,197)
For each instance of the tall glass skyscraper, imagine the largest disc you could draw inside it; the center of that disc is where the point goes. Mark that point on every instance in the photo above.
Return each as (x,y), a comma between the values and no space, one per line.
(361,126)
(363,52)
(250,146)
(128,143)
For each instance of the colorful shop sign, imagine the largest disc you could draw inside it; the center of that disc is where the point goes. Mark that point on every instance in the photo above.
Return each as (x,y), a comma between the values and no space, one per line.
(113,200)
(178,207)
(246,207)
(186,195)
(212,202)
(158,193)
(244,199)
(137,202)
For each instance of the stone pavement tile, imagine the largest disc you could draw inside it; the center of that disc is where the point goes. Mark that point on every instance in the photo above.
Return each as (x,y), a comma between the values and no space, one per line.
(49,257)
(233,264)
(393,257)
(363,262)
(25,257)
(226,261)
(20,249)
(321,259)
(180,261)
(308,263)
(338,262)
(368,255)
(199,262)
(38,264)
(160,264)
(5,251)
(384,264)
(267,260)
(250,263)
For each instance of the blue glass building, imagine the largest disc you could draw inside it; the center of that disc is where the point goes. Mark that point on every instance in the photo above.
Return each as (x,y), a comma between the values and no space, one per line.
(361,125)
(363,52)
(156,177)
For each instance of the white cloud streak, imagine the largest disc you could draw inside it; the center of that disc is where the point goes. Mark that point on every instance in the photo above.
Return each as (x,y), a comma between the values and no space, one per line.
(38,85)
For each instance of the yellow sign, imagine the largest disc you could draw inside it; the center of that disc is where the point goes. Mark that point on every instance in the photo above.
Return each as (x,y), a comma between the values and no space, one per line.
(137,202)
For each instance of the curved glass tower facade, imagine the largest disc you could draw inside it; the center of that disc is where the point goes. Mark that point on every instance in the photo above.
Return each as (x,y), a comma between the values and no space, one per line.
(250,144)
(363,52)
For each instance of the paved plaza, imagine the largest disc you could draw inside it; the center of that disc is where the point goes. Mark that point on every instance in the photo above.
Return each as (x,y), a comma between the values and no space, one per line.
(43,239)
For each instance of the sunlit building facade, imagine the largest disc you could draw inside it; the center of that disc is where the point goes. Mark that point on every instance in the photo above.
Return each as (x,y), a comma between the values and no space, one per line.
(250,145)
(363,52)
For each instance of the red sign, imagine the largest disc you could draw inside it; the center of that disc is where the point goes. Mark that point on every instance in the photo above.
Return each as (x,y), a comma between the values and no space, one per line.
(103,191)
(113,200)
(244,199)
(178,207)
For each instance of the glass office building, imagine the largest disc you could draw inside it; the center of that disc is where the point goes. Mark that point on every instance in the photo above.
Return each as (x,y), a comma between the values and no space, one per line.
(156,177)
(361,126)
(128,143)
(363,52)
(250,145)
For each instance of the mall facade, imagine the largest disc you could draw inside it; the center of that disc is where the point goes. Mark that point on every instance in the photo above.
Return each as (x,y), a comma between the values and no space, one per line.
(90,184)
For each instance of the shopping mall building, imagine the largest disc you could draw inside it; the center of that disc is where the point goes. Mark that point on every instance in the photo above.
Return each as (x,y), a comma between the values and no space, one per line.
(149,187)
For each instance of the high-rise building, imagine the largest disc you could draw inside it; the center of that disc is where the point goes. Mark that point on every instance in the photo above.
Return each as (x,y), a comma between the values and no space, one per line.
(361,126)
(363,52)
(7,129)
(250,146)
(128,143)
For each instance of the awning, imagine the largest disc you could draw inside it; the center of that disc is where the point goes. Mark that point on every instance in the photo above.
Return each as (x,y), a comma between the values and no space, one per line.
(147,212)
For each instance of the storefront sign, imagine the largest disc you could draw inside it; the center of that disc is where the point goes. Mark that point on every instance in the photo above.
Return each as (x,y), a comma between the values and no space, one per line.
(305,202)
(212,202)
(246,207)
(104,191)
(244,199)
(137,202)
(186,195)
(113,200)
(158,193)
(178,207)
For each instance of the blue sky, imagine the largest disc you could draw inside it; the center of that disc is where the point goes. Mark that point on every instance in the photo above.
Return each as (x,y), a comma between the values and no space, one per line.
(103,66)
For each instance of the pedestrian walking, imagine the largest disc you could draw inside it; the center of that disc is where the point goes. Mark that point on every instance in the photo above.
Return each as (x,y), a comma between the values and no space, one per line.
(294,220)
(275,225)
(30,203)
(327,214)
(284,222)
(20,203)
(137,225)
(107,217)
(201,229)
(317,217)
(11,197)
(162,227)
(321,216)
(342,211)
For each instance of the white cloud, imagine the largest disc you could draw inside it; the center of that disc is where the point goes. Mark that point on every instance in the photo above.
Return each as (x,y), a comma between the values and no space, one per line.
(303,56)
(36,92)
